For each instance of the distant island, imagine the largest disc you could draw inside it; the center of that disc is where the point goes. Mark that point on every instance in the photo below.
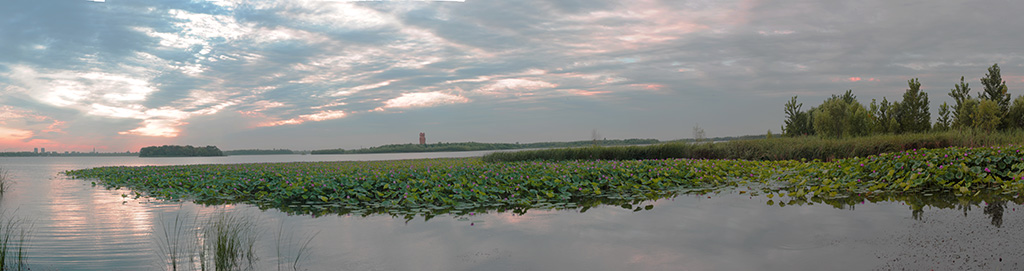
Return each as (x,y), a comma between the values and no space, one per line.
(179,151)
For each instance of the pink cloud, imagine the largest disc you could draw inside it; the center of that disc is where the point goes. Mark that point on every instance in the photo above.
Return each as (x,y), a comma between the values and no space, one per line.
(581,92)
(854,79)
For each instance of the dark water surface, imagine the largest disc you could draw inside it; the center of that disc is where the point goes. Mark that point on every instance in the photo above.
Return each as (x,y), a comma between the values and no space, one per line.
(81,227)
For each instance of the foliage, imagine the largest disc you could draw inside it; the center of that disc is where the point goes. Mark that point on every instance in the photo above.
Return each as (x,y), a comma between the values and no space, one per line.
(14,233)
(784,148)
(995,88)
(912,113)
(944,122)
(258,152)
(5,182)
(432,186)
(179,151)
(986,116)
(842,116)
(1015,116)
(797,122)
(884,116)
(961,94)
(474,146)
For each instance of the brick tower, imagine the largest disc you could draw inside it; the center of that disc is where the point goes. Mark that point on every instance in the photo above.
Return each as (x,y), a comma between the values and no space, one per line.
(423,139)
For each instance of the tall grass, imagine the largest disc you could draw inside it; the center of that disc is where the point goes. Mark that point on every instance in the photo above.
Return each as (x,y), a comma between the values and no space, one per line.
(222,241)
(176,243)
(5,181)
(786,148)
(286,243)
(229,242)
(14,233)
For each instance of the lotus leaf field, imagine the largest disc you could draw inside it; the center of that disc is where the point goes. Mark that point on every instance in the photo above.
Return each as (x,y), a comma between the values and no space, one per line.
(437,184)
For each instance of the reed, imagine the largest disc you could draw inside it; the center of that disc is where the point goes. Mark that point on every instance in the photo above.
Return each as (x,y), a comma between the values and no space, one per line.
(14,233)
(5,181)
(229,242)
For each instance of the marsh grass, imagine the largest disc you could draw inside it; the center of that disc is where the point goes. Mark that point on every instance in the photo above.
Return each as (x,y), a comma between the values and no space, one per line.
(774,149)
(229,242)
(299,251)
(5,181)
(176,242)
(223,241)
(14,233)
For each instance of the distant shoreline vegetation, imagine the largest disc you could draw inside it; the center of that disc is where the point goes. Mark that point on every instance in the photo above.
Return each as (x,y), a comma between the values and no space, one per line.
(64,154)
(476,146)
(179,151)
(259,152)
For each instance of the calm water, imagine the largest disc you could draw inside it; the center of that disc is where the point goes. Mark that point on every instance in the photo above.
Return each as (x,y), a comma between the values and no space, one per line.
(81,227)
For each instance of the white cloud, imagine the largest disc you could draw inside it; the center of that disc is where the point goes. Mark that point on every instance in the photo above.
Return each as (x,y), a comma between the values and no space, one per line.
(423,99)
(318,116)
(516,86)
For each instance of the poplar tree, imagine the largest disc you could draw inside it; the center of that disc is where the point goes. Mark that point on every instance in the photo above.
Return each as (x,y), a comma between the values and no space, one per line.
(912,114)
(995,88)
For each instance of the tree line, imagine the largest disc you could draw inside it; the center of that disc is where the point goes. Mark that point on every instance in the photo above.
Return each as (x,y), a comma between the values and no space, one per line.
(843,116)
(179,151)
(476,146)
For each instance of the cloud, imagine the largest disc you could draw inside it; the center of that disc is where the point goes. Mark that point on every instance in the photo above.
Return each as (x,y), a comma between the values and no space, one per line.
(423,99)
(8,134)
(516,86)
(319,116)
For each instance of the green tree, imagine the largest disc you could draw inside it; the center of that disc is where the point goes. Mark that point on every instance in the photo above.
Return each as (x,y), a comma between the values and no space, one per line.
(961,93)
(995,88)
(965,115)
(842,116)
(944,121)
(884,116)
(912,113)
(796,121)
(1015,116)
(986,116)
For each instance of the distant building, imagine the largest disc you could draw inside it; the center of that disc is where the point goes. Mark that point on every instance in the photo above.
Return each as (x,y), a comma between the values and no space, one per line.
(35,150)
(423,139)
(43,150)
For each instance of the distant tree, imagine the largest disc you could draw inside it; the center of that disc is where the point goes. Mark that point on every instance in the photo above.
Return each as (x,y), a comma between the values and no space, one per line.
(595,136)
(884,116)
(179,151)
(912,113)
(1015,116)
(944,121)
(986,116)
(961,93)
(842,116)
(698,133)
(995,88)
(965,115)
(797,122)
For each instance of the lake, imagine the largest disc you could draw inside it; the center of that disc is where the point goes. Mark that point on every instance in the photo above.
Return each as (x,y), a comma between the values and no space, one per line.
(77,226)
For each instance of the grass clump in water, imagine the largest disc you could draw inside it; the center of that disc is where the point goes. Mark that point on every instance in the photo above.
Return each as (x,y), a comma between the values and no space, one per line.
(229,242)
(221,241)
(14,233)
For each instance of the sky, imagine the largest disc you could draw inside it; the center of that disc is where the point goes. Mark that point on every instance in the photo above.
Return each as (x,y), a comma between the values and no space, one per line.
(118,75)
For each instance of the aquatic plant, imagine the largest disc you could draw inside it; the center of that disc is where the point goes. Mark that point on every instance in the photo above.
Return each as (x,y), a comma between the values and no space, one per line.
(14,233)
(286,244)
(176,242)
(435,185)
(228,241)
(5,182)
